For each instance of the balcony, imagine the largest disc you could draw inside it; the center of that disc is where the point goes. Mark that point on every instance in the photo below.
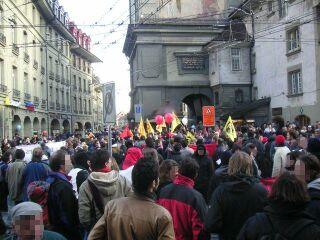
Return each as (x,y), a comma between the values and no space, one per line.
(15,93)
(35,64)
(58,78)
(15,49)
(63,107)
(3,40)
(27,96)
(36,100)
(3,88)
(26,57)
(43,70)
(51,105)
(51,75)
(57,106)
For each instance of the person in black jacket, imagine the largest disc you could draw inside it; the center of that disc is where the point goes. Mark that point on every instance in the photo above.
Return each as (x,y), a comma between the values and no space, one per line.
(235,200)
(312,177)
(284,217)
(205,172)
(62,202)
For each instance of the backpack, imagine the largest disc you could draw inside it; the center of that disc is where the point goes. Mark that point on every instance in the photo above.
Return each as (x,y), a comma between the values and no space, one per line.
(286,234)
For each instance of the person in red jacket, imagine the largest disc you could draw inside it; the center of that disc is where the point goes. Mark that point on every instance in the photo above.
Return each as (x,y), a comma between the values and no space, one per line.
(133,154)
(186,206)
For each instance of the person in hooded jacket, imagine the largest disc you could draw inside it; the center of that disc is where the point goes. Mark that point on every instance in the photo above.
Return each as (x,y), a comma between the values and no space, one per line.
(62,202)
(285,216)
(102,186)
(280,157)
(312,178)
(235,200)
(133,154)
(205,172)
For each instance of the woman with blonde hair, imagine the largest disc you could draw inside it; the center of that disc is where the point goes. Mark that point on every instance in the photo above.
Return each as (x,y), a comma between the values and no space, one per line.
(235,200)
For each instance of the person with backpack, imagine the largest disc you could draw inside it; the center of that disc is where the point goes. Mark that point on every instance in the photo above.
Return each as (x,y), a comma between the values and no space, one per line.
(80,171)
(62,202)
(285,217)
(35,170)
(103,185)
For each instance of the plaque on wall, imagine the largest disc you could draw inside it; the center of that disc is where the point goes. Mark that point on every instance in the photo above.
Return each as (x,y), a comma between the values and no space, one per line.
(192,63)
(276,111)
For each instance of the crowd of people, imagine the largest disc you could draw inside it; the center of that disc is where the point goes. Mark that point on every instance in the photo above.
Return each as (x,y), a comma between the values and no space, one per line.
(195,183)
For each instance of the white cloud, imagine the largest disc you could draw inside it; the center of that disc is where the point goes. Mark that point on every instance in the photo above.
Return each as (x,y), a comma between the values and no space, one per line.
(115,65)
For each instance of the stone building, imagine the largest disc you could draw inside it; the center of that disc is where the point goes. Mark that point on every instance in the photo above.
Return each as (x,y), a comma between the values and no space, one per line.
(285,57)
(36,46)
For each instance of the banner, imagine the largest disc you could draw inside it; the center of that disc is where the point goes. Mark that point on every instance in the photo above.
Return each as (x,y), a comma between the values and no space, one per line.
(109,102)
(208,116)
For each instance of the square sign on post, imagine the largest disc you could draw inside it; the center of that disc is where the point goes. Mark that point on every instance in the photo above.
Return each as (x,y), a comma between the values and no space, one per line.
(137,112)
(208,116)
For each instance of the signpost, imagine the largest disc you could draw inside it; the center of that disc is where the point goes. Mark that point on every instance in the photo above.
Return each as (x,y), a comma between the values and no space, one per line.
(137,112)
(208,116)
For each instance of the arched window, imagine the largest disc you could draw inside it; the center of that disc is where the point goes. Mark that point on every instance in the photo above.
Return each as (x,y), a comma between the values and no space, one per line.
(239,96)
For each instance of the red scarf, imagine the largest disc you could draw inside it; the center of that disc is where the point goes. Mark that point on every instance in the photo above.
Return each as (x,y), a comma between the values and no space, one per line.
(104,170)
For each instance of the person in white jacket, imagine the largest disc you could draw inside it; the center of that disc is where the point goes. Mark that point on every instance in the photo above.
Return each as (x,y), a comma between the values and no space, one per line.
(280,157)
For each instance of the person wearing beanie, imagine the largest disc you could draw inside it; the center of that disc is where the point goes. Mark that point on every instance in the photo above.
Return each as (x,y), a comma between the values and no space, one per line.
(280,157)
(27,223)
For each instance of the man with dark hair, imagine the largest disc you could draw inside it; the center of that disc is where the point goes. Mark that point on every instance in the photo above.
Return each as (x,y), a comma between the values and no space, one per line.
(62,203)
(137,216)
(103,185)
(186,205)
(149,150)
(14,176)
(80,172)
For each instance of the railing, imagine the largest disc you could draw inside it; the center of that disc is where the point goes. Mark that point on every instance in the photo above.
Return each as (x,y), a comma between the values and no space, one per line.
(57,106)
(35,64)
(15,93)
(3,88)
(15,49)
(51,105)
(43,70)
(27,96)
(26,57)
(3,39)
(57,78)
(51,75)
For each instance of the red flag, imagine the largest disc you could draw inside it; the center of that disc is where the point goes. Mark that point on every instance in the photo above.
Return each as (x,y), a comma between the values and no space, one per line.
(126,133)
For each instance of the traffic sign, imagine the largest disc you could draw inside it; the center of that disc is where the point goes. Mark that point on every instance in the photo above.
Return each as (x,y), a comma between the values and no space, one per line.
(208,116)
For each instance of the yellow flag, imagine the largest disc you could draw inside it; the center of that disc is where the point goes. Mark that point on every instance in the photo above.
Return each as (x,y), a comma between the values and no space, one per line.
(159,127)
(7,101)
(190,137)
(175,123)
(149,127)
(229,129)
(141,130)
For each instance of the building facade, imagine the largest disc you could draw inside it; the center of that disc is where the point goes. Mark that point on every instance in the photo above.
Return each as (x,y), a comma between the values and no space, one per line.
(36,49)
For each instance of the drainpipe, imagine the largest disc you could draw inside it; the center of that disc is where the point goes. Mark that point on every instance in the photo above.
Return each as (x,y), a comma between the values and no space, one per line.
(250,52)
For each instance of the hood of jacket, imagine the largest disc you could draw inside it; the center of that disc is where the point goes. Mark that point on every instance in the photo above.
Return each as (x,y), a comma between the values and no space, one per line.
(240,183)
(286,210)
(315,184)
(105,182)
(134,153)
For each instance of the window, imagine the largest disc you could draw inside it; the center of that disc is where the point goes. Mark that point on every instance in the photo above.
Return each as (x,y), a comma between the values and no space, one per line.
(80,101)
(282,8)
(34,48)
(34,15)
(26,82)
(50,93)
(62,71)
(35,87)
(216,98)
(25,41)
(50,33)
(270,6)
(67,96)
(238,96)
(295,82)
(57,95)
(293,40)
(80,84)
(62,96)
(89,103)
(85,105)
(84,85)
(15,77)
(74,62)
(235,59)
(50,63)
(14,30)
(56,40)
(75,103)
(74,80)
(253,63)
(57,67)
(1,71)
(79,61)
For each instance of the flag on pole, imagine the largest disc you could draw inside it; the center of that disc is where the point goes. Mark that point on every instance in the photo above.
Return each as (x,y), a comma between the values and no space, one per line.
(161,126)
(229,129)
(149,127)
(175,123)
(190,137)
(126,133)
(141,129)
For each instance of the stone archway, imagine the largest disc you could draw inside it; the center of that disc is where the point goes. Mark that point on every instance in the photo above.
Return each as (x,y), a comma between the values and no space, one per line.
(55,127)
(43,124)
(66,126)
(36,125)
(88,126)
(27,129)
(78,126)
(302,120)
(16,125)
(194,103)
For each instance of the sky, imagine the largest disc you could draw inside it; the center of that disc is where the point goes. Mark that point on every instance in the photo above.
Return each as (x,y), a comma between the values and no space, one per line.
(107,40)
